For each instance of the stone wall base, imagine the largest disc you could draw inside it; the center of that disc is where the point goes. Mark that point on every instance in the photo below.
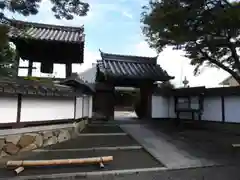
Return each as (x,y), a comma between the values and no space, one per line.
(13,144)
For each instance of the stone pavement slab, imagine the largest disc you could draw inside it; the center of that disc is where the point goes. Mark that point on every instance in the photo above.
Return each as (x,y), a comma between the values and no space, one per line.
(95,141)
(210,173)
(102,129)
(163,150)
(123,159)
(81,147)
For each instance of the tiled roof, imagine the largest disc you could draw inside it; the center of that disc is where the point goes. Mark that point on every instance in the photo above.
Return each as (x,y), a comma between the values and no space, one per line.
(131,67)
(75,81)
(32,87)
(36,31)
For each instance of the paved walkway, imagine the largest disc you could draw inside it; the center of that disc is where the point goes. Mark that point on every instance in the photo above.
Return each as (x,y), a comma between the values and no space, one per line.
(211,173)
(95,141)
(172,158)
(164,151)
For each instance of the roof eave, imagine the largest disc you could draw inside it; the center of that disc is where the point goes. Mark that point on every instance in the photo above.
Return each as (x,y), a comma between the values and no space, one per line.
(156,78)
(76,82)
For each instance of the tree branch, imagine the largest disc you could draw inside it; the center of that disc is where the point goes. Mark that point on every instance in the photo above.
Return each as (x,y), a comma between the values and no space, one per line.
(220,65)
(235,56)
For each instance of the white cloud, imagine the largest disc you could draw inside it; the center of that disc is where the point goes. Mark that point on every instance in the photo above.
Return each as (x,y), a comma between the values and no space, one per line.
(142,49)
(179,66)
(59,69)
(142,2)
(124,13)
(89,59)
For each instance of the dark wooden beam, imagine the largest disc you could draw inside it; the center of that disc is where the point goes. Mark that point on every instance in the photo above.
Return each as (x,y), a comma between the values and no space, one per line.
(146,100)
(17,59)
(19,109)
(26,67)
(68,69)
(30,68)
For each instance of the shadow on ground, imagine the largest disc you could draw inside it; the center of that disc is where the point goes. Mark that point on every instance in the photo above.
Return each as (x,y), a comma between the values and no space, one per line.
(200,142)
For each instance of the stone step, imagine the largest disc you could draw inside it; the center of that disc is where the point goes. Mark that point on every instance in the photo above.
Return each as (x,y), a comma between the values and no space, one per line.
(95,141)
(102,129)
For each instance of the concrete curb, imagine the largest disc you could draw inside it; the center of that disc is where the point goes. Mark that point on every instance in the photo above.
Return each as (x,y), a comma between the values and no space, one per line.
(92,149)
(73,176)
(102,134)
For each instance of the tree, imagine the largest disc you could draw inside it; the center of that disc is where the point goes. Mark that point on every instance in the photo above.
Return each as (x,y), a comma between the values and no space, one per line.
(8,65)
(61,8)
(208,31)
(167,85)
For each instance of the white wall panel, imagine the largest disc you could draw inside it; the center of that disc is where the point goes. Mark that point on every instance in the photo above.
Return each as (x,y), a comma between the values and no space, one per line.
(8,109)
(45,108)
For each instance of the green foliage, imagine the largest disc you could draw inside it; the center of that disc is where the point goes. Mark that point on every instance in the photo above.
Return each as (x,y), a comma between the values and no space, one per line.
(8,66)
(7,55)
(208,30)
(61,8)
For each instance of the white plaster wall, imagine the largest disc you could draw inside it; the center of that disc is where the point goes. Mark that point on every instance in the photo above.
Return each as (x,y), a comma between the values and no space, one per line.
(232,109)
(171,110)
(89,75)
(212,109)
(159,107)
(79,110)
(90,107)
(8,109)
(164,108)
(194,102)
(43,108)
(86,106)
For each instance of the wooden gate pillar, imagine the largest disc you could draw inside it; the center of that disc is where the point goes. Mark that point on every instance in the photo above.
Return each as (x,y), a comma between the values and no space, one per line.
(104,100)
(146,99)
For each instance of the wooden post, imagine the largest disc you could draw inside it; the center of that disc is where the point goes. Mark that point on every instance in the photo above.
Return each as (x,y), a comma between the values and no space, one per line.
(30,67)
(19,170)
(91,160)
(19,109)
(146,99)
(68,69)
(17,59)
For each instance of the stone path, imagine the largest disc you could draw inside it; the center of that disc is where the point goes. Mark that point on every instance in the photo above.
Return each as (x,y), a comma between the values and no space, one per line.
(125,114)
(128,154)
(171,157)
(211,173)
(164,151)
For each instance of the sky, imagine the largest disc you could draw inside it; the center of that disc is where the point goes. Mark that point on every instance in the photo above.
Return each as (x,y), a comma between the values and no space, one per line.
(114,27)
